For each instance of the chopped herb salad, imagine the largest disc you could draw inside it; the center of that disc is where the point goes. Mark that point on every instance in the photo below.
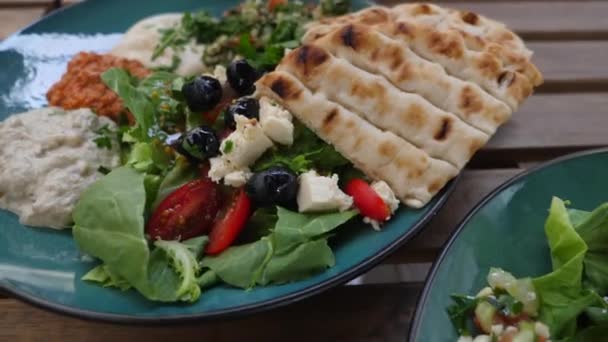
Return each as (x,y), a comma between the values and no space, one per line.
(567,304)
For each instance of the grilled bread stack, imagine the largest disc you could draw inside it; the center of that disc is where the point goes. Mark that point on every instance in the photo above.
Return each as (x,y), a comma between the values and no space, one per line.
(408,94)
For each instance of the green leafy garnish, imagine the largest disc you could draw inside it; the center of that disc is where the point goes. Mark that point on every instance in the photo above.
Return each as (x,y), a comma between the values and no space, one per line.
(297,248)
(228,146)
(106,135)
(334,7)
(308,151)
(460,311)
(109,225)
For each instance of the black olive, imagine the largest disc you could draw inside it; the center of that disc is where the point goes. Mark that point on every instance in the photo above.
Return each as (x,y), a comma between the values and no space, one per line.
(274,186)
(202,94)
(245,106)
(198,143)
(242,76)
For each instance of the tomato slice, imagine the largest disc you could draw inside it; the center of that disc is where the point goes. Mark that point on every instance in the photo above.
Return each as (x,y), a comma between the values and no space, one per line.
(187,212)
(272,4)
(226,229)
(367,200)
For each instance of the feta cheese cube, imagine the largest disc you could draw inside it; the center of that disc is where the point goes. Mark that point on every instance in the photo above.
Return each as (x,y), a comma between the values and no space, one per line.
(276,122)
(497,329)
(541,330)
(386,193)
(246,144)
(238,178)
(320,193)
(220,73)
(219,168)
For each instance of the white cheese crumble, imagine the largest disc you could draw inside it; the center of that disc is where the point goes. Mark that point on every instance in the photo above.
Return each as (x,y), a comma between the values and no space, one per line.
(47,158)
(465,339)
(237,179)
(541,330)
(374,223)
(320,193)
(497,329)
(485,292)
(388,196)
(219,72)
(386,193)
(276,122)
(238,151)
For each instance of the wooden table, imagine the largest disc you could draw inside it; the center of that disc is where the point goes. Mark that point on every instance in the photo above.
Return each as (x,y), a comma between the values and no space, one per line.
(569,113)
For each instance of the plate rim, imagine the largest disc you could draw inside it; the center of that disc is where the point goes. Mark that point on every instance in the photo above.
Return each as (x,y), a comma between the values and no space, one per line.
(236,311)
(414,327)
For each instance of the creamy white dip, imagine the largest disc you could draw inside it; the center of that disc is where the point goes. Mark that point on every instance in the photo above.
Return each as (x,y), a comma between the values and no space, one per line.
(143,37)
(47,158)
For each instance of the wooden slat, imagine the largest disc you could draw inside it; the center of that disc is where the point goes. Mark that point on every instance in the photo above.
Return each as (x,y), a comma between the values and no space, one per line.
(12,20)
(473,186)
(580,63)
(353,313)
(541,20)
(548,126)
(556,120)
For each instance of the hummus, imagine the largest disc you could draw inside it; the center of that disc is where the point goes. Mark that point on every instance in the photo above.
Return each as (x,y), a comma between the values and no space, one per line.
(143,37)
(48,157)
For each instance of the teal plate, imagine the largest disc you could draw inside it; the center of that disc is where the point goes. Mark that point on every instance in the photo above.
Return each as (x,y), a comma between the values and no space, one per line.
(44,267)
(506,230)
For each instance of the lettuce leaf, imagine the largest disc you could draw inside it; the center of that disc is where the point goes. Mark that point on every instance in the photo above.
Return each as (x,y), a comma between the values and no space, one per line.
(134,99)
(561,293)
(109,225)
(181,173)
(593,229)
(297,248)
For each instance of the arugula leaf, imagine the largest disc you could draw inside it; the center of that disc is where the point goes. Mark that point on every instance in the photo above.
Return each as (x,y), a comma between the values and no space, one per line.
(134,99)
(109,225)
(297,248)
(308,151)
(460,312)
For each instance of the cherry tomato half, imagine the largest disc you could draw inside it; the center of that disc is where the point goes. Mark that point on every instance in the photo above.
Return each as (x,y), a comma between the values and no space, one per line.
(187,212)
(226,229)
(367,200)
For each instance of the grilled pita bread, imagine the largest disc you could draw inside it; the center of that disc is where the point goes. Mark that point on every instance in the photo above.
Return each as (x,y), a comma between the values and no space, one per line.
(440,134)
(372,51)
(476,29)
(500,72)
(412,174)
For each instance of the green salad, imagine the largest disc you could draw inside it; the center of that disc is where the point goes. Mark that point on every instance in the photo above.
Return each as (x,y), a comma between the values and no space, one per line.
(217,185)
(567,304)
